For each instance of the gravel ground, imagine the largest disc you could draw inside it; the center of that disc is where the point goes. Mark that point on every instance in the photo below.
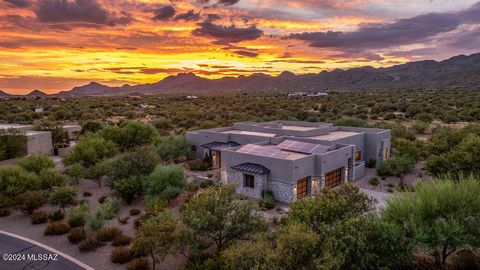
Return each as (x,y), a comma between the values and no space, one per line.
(18,223)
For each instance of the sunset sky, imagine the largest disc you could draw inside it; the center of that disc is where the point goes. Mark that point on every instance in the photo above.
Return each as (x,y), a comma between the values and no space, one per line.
(54,45)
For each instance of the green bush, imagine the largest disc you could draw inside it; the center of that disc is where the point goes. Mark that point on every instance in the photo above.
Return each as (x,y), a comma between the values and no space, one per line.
(31,200)
(374,181)
(199,165)
(90,150)
(371,163)
(50,178)
(62,196)
(15,180)
(163,177)
(267,201)
(56,216)
(57,228)
(36,163)
(121,255)
(95,222)
(107,234)
(38,217)
(109,208)
(138,264)
(78,217)
(76,235)
(13,144)
(89,244)
(128,188)
(170,193)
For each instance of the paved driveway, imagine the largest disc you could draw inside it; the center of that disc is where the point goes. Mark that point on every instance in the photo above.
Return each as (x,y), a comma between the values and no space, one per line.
(381,197)
(19,253)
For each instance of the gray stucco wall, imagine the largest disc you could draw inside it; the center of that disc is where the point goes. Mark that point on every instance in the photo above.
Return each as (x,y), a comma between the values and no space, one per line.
(39,142)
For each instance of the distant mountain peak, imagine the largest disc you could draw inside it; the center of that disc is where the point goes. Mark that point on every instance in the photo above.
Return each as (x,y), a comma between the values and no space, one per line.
(37,93)
(458,71)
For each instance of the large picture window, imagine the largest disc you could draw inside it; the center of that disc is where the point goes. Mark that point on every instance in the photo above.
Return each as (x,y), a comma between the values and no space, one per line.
(249,181)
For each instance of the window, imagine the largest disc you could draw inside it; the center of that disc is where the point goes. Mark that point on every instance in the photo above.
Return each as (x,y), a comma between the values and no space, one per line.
(358,155)
(333,178)
(249,180)
(302,188)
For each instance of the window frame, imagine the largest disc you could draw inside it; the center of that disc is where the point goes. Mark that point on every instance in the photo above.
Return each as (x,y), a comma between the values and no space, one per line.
(248,179)
(358,158)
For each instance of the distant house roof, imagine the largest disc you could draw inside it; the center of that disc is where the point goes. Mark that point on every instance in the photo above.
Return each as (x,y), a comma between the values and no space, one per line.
(221,145)
(252,168)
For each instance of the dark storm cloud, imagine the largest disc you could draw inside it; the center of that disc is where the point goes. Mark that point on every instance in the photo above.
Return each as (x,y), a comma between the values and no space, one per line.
(227,34)
(247,53)
(164,13)
(83,11)
(188,16)
(373,36)
(385,35)
(19,3)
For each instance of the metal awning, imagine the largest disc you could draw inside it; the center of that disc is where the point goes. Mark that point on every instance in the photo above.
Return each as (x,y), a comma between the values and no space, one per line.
(221,145)
(252,168)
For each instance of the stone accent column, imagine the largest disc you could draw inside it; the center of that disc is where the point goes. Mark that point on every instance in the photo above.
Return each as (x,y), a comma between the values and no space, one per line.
(322,182)
(316,185)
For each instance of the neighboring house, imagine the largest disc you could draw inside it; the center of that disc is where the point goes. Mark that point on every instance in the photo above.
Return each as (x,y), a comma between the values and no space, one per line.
(37,141)
(41,141)
(290,159)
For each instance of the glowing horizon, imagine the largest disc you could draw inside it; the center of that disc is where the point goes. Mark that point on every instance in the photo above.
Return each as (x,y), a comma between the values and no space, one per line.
(54,45)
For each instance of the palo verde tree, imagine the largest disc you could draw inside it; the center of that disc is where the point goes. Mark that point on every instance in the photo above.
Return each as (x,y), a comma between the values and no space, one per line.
(217,215)
(158,236)
(442,218)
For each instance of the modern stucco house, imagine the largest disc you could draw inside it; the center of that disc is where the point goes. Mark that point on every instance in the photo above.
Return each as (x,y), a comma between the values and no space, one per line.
(290,159)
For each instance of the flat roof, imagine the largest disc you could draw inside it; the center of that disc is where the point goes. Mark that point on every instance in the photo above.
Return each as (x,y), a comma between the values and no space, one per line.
(335,135)
(253,133)
(270,151)
(14,126)
(298,128)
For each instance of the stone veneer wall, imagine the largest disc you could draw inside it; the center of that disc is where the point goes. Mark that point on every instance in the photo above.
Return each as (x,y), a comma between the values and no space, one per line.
(237,179)
(282,192)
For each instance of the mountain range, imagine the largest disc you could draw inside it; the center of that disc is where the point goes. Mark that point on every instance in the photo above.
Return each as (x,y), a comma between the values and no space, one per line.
(459,71)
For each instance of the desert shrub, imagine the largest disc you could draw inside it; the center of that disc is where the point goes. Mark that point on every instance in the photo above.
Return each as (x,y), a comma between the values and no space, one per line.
(121,255)
(174,148)
(123,220)
(36,163)
(374,181)
(128,188)
(31,200)
(351,122)
(139,221)
(15,180)
(109,208)
(87,194)
(89,244)
(62,196)
(267,201)
(38,217)
(107,234)
(76,235)
(90,150)
(162,178)
(134,211)
(95,222)
(56,216)
(371,163)
(121,240)
(4,212)
(134,134)
(207,183)
(199,165)
(57,228)
(170,193)
(138,264)
(50,178)
(78,217)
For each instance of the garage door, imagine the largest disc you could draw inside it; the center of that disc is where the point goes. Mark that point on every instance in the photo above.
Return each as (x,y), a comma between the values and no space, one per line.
(333,178)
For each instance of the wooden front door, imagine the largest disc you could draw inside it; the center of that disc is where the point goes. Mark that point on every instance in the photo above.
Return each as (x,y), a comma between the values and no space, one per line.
(333,178)
(302,188)
(217,159)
